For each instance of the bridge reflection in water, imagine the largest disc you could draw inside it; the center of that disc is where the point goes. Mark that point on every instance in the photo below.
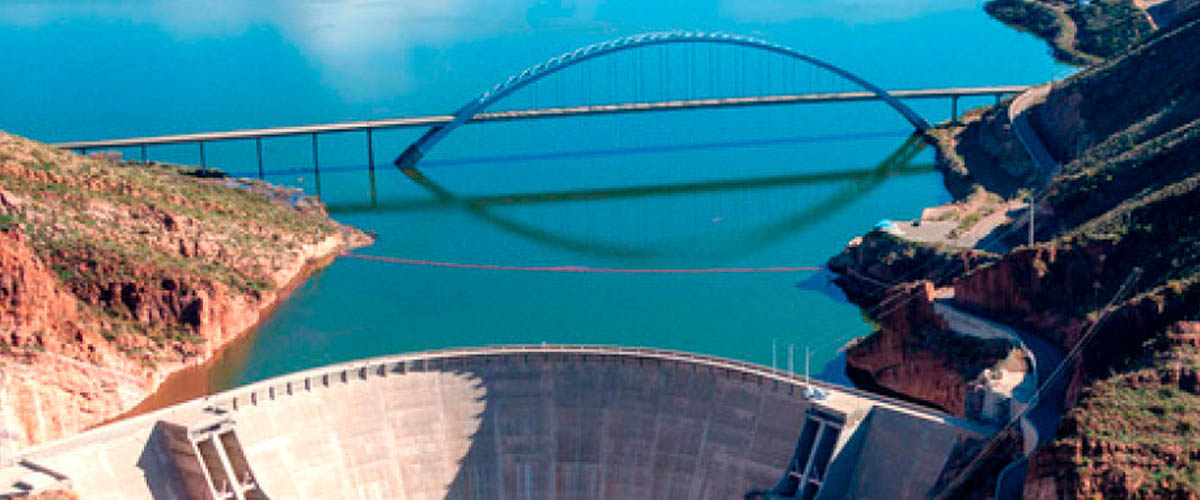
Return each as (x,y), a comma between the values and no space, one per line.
(497,400)
(860,182)
(650,72)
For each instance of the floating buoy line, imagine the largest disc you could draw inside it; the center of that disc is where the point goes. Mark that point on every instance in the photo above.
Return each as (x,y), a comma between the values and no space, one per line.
(583,269)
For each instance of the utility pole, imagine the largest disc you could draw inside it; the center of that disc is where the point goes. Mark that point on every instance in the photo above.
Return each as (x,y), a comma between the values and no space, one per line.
(791,363)
(1031,210)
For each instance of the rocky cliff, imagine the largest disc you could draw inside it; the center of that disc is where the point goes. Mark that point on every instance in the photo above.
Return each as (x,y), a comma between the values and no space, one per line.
(1116,270)
(1078,33)
(114,274)
(1132,434)
(914,355)
(1169,12)
(869,266)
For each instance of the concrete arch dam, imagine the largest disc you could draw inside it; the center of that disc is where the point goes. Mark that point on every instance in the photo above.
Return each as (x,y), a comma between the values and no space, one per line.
(516,423)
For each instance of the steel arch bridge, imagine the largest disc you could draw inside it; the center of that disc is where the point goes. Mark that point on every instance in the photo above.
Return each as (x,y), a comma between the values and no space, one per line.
(419,149)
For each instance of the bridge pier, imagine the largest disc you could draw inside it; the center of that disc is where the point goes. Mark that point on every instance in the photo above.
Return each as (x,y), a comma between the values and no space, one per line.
(258,149)
(316,166)
(371,166)
(442,124)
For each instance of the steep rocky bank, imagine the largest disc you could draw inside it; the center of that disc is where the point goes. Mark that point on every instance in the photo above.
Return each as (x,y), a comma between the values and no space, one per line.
(1078,33)
(114,274)
(1132,434)
(914,355)
(1116,269)
(869,266)
(984,139)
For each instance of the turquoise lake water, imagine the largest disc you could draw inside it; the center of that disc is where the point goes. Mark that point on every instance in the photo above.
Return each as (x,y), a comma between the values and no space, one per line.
(95,70)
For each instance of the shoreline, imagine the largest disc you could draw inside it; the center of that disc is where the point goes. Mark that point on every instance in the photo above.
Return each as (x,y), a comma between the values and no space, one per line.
(192,380)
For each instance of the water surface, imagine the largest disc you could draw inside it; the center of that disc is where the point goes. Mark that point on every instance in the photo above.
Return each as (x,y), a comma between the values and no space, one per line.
(679,190)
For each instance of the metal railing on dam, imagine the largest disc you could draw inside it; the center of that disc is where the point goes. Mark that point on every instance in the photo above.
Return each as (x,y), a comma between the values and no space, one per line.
(545,421)
(270,389)
(266,391)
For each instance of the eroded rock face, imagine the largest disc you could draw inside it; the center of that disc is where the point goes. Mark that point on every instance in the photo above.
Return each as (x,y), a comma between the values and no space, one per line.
(895,358)
(869,266)
(1118,263)
(1028,283)
(114,275)
(1053,291)
(1131,435)
(49,386)
(1132,90)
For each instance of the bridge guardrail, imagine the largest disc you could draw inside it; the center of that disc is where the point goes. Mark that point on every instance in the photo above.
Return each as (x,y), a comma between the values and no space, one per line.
(425,121)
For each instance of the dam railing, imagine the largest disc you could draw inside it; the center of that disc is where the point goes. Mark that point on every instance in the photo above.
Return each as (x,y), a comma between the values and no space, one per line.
(383,366)
(265,391)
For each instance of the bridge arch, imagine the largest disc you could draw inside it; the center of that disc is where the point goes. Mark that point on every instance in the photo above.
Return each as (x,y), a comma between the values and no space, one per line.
(415,152)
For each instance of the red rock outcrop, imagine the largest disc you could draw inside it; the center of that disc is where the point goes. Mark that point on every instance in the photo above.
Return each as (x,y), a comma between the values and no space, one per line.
(1021,286)
(893,359)
(113,275)
(57,373)
(1051,290)
(1118,266)
(1131,435)
(868,266)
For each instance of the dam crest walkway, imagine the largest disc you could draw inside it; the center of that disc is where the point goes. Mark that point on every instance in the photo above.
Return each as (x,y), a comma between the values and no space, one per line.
(464,422)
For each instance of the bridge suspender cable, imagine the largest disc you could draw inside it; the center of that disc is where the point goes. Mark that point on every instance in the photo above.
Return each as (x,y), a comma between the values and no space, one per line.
(583,269)
(415,152)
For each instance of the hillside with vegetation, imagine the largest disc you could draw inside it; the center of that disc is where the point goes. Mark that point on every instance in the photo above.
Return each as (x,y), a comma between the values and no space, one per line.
(1115,269)
(113,274)
(1078,33)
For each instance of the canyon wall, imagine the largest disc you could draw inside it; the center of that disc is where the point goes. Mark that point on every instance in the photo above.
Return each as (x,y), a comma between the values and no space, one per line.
(114,274)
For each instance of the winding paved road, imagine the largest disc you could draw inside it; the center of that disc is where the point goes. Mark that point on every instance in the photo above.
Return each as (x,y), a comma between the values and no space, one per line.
(1044,415)
(1048,407)
(1019,116)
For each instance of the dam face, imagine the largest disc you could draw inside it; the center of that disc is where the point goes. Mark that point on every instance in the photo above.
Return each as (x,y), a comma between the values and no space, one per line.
(512,423)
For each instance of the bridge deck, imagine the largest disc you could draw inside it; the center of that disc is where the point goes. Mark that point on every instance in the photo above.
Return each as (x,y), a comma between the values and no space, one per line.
(426,121)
